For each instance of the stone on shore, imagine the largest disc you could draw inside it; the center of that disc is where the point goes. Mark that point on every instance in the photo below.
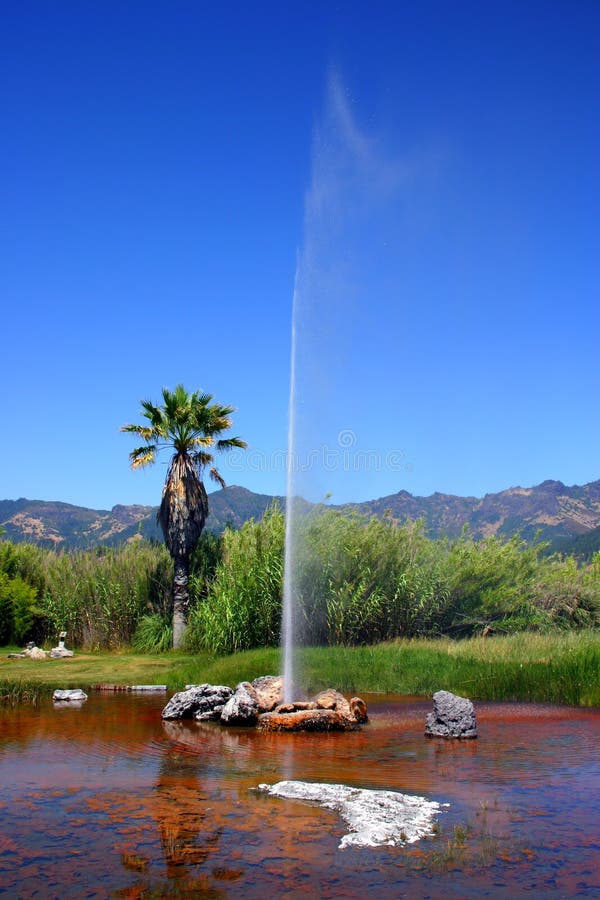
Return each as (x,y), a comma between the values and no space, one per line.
(60,653)
(205,701)
(452,717)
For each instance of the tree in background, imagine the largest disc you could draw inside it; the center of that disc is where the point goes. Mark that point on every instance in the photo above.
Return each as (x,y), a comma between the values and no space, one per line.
(190,425)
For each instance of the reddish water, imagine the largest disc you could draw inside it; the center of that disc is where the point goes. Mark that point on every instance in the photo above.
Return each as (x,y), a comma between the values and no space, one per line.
(109,801)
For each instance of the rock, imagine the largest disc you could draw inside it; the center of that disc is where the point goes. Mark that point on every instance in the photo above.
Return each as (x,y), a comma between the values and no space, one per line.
(269,692)
(329,711)
(61,651)
(374,817)
(332,699)
(296,706)
(307,720)
(242,708)
(16,655)
(33,652)
(452,717)
(147,688)
(358,708)
(205,700)
(69,696)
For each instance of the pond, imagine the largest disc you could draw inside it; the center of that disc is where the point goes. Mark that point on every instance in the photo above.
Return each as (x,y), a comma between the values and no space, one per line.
(107,800)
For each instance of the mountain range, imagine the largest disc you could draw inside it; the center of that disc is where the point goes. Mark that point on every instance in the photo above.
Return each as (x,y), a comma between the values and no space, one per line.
(567,517)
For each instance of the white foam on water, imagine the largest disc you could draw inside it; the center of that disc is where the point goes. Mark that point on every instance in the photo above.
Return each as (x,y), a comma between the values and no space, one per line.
(375,818)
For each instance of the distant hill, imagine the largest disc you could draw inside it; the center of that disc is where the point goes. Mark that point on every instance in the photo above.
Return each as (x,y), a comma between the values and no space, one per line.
(62,525)
(551,509)
(568,517)
(584,546)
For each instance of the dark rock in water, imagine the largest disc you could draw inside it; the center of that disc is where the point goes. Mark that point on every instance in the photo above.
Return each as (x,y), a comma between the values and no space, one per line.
(452,717)
(205,701)
(307,720)
(242,707)
(269,692)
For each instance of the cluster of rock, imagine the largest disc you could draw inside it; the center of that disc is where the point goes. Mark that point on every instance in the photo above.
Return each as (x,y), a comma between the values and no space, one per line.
(452,717)
(33,652)
(30,652)
(260,703)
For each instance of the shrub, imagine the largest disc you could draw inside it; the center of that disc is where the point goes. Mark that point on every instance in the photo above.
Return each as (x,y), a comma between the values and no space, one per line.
(242,606)
(153,634)
(361,581)
(567,594)
(99,596)
(18,610)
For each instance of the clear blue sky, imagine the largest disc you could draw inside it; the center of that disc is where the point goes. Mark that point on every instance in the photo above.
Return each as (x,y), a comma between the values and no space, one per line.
(155,163)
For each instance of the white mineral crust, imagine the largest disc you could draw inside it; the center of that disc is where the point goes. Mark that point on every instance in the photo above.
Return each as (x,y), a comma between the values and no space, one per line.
(374,817)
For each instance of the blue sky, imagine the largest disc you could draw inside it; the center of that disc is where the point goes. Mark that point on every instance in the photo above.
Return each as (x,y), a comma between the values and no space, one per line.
(156,159)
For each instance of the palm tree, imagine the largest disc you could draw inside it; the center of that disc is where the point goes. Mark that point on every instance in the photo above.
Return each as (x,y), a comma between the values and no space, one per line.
(190,425)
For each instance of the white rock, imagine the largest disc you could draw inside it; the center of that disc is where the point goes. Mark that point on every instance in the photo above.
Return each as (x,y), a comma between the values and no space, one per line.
(36,653)
(375,818)
(76,694)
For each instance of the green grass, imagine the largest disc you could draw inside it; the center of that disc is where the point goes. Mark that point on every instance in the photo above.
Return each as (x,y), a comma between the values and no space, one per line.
(85,669)
(18,691)
(554,668)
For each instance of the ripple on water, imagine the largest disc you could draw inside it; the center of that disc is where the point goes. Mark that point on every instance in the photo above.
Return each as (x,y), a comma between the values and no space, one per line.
(110,798)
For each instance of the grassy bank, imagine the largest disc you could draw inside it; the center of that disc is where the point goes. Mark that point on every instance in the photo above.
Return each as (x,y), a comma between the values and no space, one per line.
(556,668)
(86,669)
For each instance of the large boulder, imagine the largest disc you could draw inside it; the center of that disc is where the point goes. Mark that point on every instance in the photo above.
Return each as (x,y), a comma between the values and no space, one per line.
(205,701)
(242,707)
(452,717)
(269,692)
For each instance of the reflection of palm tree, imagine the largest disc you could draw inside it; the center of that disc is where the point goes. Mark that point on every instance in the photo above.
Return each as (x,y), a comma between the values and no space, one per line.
(189,424)
(179,813)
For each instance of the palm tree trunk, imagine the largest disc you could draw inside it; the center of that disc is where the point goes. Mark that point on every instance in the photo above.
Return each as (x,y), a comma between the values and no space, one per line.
(181,599)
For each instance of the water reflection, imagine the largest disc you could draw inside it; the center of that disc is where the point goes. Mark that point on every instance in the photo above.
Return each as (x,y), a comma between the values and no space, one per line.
(108,800)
